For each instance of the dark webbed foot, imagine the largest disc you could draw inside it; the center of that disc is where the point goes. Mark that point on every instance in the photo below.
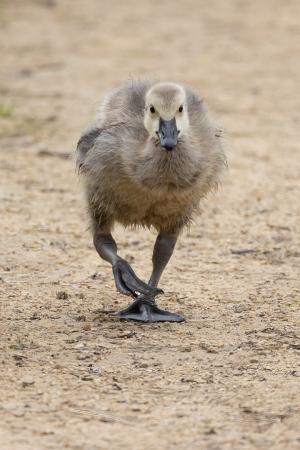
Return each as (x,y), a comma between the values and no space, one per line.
(144,309)
(128,283)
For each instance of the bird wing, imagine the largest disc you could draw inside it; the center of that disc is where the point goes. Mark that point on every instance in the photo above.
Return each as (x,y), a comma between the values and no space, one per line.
(85,143)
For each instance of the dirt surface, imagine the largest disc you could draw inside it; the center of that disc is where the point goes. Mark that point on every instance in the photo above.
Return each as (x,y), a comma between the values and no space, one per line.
(71,375)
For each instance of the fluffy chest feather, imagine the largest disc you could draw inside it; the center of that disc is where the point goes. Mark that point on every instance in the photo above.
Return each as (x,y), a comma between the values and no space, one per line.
(135,206)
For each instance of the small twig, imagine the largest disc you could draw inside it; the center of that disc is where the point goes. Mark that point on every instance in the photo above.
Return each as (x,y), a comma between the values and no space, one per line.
(243,251)
(105,417)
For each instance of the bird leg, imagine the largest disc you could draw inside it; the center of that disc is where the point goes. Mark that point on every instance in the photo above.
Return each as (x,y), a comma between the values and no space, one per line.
(144,307)
(162,252)
(125,279)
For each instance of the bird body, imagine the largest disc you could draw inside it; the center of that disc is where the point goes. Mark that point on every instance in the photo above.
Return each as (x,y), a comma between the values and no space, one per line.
(130,180)
(151,155)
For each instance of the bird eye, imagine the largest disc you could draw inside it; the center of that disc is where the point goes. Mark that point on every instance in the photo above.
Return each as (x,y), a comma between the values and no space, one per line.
(180,108)
(152,109)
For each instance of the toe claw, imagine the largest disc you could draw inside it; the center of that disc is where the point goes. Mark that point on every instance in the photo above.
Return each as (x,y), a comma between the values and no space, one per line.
(158,291)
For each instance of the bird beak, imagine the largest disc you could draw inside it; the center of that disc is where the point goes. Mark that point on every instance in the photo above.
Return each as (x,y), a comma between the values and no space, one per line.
(167,133)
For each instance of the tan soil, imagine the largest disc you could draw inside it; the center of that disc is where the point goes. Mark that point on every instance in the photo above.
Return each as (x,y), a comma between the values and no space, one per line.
(71,375)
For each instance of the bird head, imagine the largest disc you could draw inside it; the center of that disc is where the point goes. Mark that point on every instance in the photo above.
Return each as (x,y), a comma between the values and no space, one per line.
(166,116)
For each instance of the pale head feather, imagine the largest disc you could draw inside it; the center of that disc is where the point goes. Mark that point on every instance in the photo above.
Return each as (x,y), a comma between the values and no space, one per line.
(168,101)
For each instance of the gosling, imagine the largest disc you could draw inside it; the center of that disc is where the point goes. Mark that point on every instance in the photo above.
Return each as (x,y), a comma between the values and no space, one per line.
(147,160)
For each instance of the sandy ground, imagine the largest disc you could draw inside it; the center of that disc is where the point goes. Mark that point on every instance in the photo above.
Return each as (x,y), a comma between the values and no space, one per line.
(74,377)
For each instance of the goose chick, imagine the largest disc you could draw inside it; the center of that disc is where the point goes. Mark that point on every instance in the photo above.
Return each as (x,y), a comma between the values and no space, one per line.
(149,157)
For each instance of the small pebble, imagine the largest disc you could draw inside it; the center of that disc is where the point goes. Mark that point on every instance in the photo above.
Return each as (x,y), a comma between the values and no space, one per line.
(81,318)
(62,295)
(87,378)
(27,383)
